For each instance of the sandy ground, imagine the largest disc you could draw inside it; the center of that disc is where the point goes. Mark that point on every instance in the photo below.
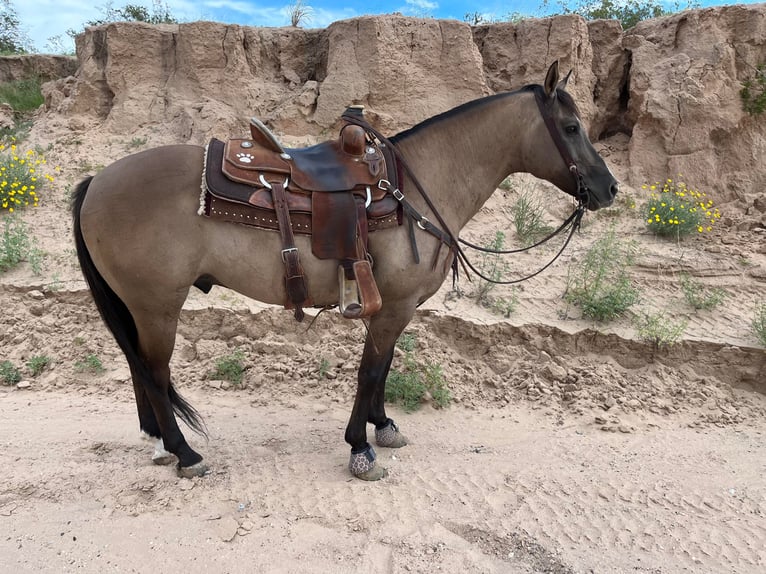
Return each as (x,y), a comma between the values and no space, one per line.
(569,447)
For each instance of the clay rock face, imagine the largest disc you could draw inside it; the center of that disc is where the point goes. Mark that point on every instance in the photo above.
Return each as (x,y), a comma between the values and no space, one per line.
(196,80)
(684,105)
(669,86)
(45,67)
(516,54)
(206,78)
(403,69)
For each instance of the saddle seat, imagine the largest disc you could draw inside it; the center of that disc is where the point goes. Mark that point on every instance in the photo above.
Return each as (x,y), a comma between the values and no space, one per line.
(330,190)
(337,165)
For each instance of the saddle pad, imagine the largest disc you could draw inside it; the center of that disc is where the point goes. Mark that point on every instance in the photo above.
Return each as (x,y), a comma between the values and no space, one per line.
(235,202)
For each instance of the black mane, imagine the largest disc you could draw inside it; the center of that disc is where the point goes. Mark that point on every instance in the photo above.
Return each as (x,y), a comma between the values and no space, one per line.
(563,98)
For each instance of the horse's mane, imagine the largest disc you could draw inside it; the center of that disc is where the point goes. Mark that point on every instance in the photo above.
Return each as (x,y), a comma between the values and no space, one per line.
(563,98)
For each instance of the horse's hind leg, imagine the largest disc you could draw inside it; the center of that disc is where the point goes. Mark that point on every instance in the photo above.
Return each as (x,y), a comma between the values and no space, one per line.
(156,336)
(384,330)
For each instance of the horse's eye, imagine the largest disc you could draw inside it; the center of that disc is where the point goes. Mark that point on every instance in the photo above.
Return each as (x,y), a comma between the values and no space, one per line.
(571,130)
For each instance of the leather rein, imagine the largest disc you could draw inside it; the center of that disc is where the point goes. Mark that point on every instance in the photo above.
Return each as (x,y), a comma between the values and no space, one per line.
(445,235)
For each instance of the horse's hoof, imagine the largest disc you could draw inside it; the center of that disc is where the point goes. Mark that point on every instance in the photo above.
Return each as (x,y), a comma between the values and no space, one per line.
(376,473)
(163,459)
(198,469)
(362,465)
(389,436)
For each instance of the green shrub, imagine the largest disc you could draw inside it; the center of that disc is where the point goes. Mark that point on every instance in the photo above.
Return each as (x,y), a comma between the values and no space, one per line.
(759,323)
(324,368)
(410,386)
(230,368)
(700,297)
(753,92)
(528,218)
(601,286)
(492,266)
(91,363)
(9,374)
(16,246)
(659,329)
(628,12)
(37,364)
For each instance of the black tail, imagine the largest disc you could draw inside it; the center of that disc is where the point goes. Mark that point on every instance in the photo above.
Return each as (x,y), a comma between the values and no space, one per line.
(118,318)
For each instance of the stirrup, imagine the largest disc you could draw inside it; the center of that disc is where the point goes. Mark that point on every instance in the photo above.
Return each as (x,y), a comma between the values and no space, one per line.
(359,297)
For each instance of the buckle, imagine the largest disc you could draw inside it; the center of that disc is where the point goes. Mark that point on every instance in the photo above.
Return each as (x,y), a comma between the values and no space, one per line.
(422,222)
(398,194)
(286,251)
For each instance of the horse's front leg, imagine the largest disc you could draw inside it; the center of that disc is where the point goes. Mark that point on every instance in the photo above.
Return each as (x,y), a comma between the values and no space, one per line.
(369,407)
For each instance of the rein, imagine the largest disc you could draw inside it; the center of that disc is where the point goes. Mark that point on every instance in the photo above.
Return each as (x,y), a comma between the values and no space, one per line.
(446,236)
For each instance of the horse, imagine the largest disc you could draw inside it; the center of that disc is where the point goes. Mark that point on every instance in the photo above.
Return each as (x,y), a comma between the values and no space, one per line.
(142,245)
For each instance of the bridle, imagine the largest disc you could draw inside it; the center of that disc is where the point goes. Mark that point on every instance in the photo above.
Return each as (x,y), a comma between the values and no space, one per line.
(445,235)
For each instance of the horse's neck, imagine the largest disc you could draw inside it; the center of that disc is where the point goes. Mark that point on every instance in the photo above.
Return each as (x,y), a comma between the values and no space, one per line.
(462,158)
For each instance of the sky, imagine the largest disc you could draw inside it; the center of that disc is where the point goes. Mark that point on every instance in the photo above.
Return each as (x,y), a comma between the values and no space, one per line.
(43,20)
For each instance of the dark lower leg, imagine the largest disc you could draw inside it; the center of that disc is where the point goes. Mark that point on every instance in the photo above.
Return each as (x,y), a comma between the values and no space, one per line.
(373,368)
(146,419)
(173,438)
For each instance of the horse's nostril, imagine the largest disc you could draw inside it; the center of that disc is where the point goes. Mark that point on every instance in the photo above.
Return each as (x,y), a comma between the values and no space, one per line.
(613,189)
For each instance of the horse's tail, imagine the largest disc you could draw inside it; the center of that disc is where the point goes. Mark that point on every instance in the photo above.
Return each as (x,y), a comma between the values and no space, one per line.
(118,318)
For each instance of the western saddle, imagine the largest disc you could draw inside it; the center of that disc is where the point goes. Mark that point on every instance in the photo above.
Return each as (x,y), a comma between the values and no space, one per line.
(335,191)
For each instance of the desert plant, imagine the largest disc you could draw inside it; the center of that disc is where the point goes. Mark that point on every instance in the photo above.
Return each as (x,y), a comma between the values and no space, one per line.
(698,296)
(21,177)
(91,363)
(135,143)
(16,246)
(492,266)
(9,374)
(659,329)
(601,286)
(299,13)
(411,385)
(230,367)
(753,92)
(505,306)
(676,210)
(324,368)
(628,12)
(528,218)
(159,14)
(37,364)
(759,323)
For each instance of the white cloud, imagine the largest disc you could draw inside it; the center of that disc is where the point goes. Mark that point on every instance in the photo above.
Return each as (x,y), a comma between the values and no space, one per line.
(421,5)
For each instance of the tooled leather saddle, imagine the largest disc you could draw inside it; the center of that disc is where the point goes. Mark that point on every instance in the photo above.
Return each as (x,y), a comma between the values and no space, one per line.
(331,191)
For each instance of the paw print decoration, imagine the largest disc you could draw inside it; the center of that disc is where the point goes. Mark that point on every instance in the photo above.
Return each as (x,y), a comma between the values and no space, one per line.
(245,157)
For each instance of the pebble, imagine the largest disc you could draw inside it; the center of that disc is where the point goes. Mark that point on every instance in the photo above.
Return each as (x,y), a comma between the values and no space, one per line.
(23,385)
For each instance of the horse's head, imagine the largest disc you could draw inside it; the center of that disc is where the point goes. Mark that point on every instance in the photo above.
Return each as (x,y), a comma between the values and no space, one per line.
(561,152)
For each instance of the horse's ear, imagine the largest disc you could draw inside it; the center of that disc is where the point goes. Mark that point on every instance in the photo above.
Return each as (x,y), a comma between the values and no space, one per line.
(551,80)
(562,85)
